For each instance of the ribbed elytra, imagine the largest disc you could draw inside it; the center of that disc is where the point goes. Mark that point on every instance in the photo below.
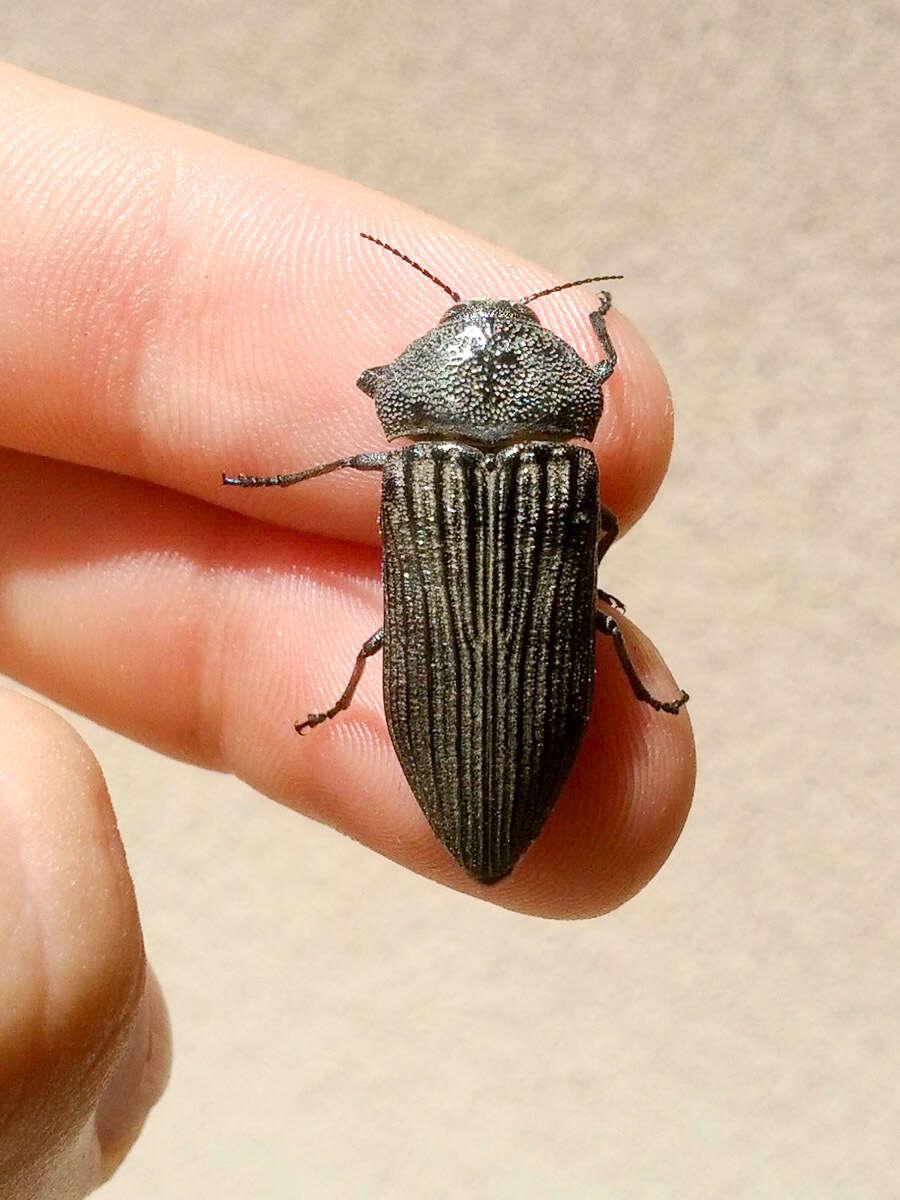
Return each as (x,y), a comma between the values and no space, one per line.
(490,561)
(492,531)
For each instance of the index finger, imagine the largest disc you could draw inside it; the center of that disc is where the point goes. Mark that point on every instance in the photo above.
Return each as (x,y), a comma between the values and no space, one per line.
(173,305)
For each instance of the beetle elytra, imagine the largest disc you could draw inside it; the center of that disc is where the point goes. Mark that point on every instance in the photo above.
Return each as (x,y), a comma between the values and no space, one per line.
(492,532)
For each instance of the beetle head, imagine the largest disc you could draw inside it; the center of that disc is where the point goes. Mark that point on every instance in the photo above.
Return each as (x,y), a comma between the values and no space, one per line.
(489,372)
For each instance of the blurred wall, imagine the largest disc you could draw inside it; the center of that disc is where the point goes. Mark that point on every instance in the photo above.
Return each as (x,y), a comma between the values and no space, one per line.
(730,1032)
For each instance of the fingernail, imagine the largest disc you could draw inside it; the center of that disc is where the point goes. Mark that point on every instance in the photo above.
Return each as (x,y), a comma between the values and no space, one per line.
(141,1077)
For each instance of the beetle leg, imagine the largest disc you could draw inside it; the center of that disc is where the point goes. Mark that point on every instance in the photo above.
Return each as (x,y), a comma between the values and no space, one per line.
(608,625)
(609,598)
(372,646)
(606,366)
(609,531)
(360,462)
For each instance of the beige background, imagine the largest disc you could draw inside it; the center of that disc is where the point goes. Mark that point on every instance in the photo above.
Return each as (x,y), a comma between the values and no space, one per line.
(345,1029)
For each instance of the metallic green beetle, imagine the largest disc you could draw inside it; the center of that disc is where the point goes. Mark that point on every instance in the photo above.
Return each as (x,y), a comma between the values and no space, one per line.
(492,531)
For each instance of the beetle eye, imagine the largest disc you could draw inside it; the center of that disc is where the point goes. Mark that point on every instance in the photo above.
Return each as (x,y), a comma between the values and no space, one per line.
(451,313)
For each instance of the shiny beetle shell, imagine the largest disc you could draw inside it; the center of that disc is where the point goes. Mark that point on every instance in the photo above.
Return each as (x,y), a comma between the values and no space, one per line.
(489,563)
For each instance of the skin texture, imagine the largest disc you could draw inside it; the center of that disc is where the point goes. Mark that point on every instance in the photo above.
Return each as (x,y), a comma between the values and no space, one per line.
(172,306)
(84,1044)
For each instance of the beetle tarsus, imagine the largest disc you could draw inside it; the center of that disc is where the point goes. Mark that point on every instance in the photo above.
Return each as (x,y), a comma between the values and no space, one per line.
(609,626)
(370,647)
(609,598)
(311,721)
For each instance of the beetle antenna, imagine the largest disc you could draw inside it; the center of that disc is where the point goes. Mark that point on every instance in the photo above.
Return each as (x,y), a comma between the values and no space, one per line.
(560,287)
(413,263)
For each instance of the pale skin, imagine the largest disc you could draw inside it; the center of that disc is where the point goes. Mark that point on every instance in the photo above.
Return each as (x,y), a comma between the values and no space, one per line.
(173,306)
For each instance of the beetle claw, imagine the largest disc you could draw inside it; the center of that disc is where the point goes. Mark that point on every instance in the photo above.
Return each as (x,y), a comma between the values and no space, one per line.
(609,598)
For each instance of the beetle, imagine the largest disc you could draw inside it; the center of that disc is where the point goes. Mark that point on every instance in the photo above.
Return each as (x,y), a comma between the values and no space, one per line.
(492,532)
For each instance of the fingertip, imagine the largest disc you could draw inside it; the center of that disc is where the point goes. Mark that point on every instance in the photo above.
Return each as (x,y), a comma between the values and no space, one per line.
(73,964)
(64,851)
(139,1079)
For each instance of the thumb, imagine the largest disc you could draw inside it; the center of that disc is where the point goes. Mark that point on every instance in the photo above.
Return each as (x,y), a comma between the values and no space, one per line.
(84,1042)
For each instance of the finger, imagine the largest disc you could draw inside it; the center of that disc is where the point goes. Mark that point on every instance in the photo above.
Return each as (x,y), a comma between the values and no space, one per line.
(72,972)
(174,306)
(207,635)
(138,1081)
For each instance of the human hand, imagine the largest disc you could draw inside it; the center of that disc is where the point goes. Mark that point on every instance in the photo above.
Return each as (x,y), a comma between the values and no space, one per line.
(172,306)
(84,1034)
